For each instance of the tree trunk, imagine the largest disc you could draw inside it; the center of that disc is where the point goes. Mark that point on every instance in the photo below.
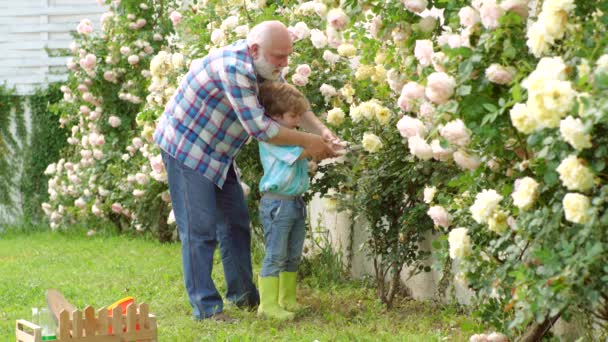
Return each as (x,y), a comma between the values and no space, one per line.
(536,331)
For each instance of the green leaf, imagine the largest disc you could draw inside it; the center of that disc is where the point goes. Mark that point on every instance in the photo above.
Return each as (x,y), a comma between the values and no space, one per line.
(490,107)
(464,90)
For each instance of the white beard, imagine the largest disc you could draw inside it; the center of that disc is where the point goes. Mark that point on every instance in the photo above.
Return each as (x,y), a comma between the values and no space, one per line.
(266,69)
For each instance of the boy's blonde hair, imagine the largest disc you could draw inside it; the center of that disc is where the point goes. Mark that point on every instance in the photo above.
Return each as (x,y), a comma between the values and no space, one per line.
(279,98)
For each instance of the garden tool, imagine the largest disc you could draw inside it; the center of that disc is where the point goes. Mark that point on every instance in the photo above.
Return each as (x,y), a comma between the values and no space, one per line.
(57,303)
(269,300)
(287,292)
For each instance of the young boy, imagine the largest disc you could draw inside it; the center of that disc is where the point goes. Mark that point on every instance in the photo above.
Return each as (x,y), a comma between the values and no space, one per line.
(282,209)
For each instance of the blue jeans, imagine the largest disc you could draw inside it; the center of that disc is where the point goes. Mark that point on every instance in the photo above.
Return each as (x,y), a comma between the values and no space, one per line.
(206,214)
(284,232)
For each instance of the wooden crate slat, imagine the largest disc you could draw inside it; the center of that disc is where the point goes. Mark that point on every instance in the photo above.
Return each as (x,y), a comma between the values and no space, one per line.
(77,323)
(102,322)
(131,317)
(64,325)
(117,321)
(89,321)
(144,322)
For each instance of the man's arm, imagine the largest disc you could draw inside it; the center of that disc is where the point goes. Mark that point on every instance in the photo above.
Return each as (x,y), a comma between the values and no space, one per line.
(314,145)
(311,123)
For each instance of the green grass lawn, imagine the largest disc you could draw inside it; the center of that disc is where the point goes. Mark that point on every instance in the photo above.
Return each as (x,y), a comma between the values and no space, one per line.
(101,269)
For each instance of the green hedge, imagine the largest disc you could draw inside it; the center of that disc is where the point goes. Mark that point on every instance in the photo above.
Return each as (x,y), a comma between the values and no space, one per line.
(47,140)
(11,109)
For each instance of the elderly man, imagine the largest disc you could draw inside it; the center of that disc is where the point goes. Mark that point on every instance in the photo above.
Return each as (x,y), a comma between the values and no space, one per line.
(211,115)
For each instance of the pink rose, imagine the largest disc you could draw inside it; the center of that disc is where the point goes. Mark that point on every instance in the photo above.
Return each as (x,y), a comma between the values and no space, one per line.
(440,153)
(440,87)
(440,216)
(419,148)
(109,76)
(88,62)
(468,16)
(424,51)
(125,50)
(133,59)
(411,91)
(304,70)
(85,110)
(137,142)
(330,57)
(415,6)
(337,18)
(114,121)
(175,17)
(456,133)
(85,27)
(117,208)
(519,7)
(299,80)
(490,12)
(426,111)
(141,22)
(499,74)
(466,161)
(156,163)
(409,127)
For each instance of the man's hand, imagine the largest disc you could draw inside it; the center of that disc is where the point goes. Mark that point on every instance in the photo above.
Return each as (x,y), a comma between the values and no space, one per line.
(319,149)
(336,143)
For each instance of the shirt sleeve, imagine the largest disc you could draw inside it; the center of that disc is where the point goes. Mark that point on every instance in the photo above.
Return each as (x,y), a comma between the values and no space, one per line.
(241,90)
(286,154)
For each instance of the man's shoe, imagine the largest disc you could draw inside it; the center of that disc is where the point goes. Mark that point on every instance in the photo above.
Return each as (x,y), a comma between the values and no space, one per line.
(221,317)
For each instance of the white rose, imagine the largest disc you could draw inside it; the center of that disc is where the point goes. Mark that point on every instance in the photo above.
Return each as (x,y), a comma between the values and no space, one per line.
(460,243)
(465,160)
(415,6)
(573,131)
(429,194)
(574,174)
(576,207)
(327,90)
(330,57)
(525,193)
(468,16)
(318,38)
(424,51)
(490,12)
(486,202)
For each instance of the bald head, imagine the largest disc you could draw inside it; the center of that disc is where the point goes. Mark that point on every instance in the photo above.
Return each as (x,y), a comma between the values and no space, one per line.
(270,45)
(268,33)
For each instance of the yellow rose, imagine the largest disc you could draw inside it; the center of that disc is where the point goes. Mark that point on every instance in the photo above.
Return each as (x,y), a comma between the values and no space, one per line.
(335,116)
(371,142)
(521,120)
(347,50)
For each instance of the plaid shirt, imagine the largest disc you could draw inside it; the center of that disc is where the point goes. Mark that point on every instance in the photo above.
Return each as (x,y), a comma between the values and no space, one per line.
(213,113)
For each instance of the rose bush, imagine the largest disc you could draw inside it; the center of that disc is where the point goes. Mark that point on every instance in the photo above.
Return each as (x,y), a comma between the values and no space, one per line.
(483,121)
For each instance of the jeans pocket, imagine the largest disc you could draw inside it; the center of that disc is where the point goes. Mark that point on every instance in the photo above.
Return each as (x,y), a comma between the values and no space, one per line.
(270,210)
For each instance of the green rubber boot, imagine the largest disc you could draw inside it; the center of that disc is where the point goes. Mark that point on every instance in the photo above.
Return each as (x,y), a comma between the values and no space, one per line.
(269,295)
(287,292)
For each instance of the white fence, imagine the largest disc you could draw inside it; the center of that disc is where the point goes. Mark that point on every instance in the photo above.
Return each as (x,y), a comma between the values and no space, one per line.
(28,28)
